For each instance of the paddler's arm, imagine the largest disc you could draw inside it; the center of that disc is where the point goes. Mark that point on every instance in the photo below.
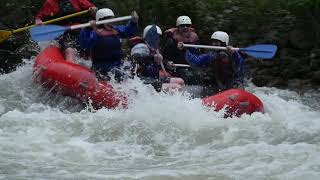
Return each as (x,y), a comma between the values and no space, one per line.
(239,60)
(197,60)
(169,50)
(201,60)
(86,4)
(46,10)
(131,28)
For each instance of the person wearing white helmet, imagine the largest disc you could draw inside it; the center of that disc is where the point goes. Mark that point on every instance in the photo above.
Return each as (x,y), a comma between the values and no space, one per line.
(148,62)
(227,66)
(104,41)
(183,32)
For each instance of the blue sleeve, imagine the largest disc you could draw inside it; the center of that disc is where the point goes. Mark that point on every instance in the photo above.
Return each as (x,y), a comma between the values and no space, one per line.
(238,58)
(239,62)
(127,30)
(201,60)
(193,50)
(87,38)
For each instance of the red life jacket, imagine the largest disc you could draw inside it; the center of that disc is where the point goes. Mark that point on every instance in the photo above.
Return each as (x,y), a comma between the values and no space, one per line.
(52,8)
(173,32)
(224,69)
(105,33)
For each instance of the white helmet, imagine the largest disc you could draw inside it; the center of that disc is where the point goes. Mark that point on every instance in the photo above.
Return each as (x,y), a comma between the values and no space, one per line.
(140,49)
(147,28)
(102,13)
(221,36)
(183,20)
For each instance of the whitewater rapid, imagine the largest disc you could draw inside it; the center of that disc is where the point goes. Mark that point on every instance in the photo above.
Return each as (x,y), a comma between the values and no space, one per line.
(47,136)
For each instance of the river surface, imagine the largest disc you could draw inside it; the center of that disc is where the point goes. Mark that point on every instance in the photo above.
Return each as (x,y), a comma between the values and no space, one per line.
(47,136)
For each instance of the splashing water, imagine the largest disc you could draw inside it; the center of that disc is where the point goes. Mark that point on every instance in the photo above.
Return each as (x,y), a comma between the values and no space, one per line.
(47,136)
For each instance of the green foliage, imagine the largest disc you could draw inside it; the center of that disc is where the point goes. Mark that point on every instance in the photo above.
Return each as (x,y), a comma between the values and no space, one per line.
(303,8)
(254,17)
(244,19)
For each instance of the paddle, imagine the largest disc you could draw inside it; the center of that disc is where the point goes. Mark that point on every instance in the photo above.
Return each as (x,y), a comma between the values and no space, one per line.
(263,51)
(182,65)
(50,32)
(153,41)
(4,35)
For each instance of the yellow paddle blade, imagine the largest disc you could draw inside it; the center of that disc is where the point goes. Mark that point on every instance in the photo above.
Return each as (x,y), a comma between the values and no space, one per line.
(4,35)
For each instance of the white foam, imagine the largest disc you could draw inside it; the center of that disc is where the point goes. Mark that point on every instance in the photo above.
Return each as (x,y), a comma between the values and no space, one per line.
(45,136)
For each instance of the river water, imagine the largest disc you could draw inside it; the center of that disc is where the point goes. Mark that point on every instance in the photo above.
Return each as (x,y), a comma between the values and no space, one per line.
(47,136)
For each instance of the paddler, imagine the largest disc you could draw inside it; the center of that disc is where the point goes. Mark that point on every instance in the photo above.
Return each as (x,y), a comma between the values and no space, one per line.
(227,66)
(104,42)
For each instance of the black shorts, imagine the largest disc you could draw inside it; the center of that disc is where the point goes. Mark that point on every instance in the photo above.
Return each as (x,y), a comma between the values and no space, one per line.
(156,83)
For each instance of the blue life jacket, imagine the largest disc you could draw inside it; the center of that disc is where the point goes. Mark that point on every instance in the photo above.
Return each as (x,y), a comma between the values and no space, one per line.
(106,49)
(106,52)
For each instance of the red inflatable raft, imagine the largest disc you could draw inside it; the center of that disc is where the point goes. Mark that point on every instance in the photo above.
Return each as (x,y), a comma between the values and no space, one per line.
(235,101)
(53,71)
